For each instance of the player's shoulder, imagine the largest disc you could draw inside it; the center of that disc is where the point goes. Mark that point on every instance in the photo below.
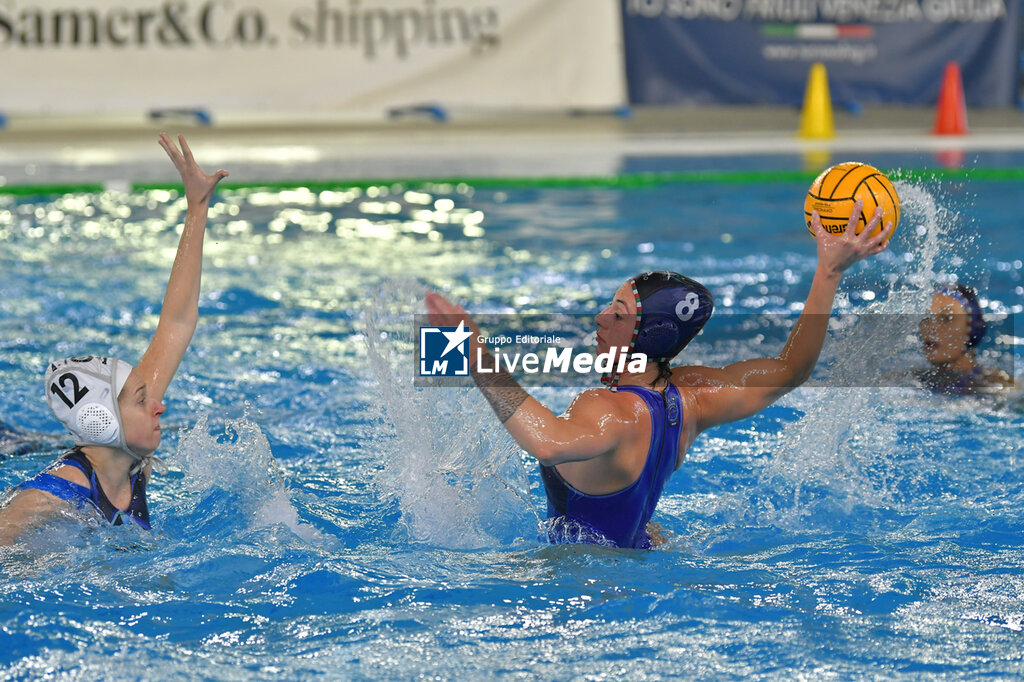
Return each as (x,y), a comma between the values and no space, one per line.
(595,398)
(32,501)
(71,473)
(596,403)
(699,376)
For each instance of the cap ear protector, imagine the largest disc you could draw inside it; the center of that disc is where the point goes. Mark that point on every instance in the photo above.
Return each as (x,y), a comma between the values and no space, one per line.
(672,310)
(965,296)
(82,393)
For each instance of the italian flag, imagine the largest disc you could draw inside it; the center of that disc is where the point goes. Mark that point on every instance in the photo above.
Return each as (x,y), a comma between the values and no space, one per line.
(819,31)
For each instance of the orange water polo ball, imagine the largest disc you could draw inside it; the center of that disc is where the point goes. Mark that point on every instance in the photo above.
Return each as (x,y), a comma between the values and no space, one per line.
(833,193)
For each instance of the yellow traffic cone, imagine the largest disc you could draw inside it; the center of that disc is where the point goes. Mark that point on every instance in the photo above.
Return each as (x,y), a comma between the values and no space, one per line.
(816,116)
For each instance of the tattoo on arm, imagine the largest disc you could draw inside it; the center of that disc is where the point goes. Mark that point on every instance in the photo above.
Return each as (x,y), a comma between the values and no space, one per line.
(502,392)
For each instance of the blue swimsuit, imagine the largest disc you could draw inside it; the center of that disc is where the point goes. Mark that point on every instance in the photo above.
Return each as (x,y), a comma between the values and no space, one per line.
(80,496)
(620,518)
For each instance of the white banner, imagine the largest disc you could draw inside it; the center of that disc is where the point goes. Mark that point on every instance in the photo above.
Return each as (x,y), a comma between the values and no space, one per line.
(308,57)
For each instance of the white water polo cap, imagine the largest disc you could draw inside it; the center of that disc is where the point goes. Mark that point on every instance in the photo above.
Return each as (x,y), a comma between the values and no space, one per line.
(82,393)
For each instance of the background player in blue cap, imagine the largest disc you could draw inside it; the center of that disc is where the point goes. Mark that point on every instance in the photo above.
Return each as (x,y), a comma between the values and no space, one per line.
(113,409)
(605,461)
(950,337)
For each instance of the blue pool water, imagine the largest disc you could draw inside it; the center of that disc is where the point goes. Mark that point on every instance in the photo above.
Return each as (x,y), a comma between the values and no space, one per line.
(322,515)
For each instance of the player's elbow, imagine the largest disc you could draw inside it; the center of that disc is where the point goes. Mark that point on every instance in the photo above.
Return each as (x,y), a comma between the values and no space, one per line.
(757,400)
(549,453)
(545,453)
(179,311)
(799,378)
(187,319)
(790,375)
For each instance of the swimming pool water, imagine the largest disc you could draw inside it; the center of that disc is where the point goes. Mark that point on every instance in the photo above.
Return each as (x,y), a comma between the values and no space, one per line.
(323,516)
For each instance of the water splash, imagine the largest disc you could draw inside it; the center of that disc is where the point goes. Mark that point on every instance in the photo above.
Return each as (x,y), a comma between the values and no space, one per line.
(846,451)
(237,463)
(454,474)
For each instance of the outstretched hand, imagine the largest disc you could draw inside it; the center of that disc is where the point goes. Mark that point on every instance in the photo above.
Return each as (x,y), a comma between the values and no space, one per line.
(837,252)
(199,186)
(444,313)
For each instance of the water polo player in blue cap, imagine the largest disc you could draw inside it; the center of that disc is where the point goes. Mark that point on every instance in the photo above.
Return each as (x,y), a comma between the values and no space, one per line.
(950,336)
(605,461)
(113,409)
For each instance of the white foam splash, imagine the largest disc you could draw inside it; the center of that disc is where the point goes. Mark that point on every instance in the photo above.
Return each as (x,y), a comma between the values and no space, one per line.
(455,475)
(846,442)
(239,460)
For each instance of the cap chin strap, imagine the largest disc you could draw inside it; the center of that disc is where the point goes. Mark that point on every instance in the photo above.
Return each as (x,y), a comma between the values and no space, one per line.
(611,379)
(141,461)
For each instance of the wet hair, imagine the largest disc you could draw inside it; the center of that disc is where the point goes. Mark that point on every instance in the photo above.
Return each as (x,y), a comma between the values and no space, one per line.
(664,372)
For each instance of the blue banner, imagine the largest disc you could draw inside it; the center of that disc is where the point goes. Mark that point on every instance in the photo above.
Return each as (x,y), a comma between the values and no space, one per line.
(876,51)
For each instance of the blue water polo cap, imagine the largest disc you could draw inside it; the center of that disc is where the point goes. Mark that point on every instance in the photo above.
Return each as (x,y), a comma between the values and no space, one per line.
(671,309)
(966,297)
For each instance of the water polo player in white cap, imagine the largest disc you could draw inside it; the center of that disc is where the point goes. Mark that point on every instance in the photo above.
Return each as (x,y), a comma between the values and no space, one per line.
(113,409)
(605,461)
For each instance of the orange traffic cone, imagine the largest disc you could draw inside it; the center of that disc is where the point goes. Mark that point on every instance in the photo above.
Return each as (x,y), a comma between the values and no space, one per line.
(951,111)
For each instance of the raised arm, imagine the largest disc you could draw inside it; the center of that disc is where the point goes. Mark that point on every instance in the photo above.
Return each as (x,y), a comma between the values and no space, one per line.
(180,311)
(592,426)
(742,389)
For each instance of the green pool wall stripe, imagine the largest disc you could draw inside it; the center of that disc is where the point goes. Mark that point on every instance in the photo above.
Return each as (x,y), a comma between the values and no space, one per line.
(625,180)
(49,190)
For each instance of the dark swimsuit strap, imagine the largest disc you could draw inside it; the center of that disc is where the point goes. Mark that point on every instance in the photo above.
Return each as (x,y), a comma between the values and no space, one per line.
(78,459)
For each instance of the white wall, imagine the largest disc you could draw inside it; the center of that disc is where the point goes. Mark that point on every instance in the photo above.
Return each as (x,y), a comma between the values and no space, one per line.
(307,57)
